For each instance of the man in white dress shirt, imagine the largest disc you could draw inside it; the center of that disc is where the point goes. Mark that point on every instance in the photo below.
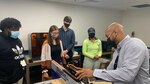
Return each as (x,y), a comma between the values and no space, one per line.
(130,63)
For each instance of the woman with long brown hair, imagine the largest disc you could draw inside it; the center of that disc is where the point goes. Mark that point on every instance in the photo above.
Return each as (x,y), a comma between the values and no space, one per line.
(51,50)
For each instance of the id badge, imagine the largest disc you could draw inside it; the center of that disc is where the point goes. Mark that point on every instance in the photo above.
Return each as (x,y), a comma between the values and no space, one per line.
(23,63)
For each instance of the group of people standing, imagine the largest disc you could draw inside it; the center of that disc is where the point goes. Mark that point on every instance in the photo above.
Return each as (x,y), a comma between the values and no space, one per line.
(59,47)
(130,63)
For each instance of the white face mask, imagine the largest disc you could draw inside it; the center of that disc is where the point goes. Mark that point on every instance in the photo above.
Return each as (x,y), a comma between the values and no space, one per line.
(14,34)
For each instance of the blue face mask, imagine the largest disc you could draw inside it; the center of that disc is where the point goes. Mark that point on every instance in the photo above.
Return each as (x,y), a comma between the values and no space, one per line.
(14,34)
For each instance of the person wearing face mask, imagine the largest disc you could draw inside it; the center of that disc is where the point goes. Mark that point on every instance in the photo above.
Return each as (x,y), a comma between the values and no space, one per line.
(111,45)
(52,49)
(130,63)
(11,52)
(92,50)
(68,38)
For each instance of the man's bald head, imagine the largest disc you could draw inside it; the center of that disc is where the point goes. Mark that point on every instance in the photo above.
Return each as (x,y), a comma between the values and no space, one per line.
(115,32)
(115,27)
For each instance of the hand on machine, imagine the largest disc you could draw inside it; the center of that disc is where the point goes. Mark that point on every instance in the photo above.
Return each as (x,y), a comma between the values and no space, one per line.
(78,73)
(72,69)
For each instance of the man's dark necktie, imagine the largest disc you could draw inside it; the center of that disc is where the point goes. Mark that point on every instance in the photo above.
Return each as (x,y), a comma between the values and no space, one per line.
(116,61)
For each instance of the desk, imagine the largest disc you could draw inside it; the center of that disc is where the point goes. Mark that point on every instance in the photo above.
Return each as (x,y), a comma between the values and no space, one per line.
(61,81)
(104,63)
(37,63)
(55,81)
(107,53)
(27,75)
(76,56)
(101,83)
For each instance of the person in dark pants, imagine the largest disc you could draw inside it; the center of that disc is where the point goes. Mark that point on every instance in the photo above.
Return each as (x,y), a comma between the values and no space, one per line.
(67,37)
(11,52)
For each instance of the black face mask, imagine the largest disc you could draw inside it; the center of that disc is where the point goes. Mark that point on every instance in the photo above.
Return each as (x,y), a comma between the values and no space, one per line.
(66,25)
(111,43)
(91,35)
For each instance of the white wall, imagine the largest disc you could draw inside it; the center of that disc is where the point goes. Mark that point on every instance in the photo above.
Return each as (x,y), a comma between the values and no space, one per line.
(138,21)
(38,16)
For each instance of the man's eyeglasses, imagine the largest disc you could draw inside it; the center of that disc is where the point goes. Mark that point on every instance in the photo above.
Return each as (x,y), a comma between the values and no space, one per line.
(108,36)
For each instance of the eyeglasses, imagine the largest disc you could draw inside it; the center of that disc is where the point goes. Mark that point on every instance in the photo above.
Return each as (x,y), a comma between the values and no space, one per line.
(55,33)
(109,35)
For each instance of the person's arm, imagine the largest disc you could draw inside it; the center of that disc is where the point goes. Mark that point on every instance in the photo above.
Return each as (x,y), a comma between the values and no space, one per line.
(100,48)
(127,72)
(84,50)
(72,42)
(45,59)
(62,53)
(45,55)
